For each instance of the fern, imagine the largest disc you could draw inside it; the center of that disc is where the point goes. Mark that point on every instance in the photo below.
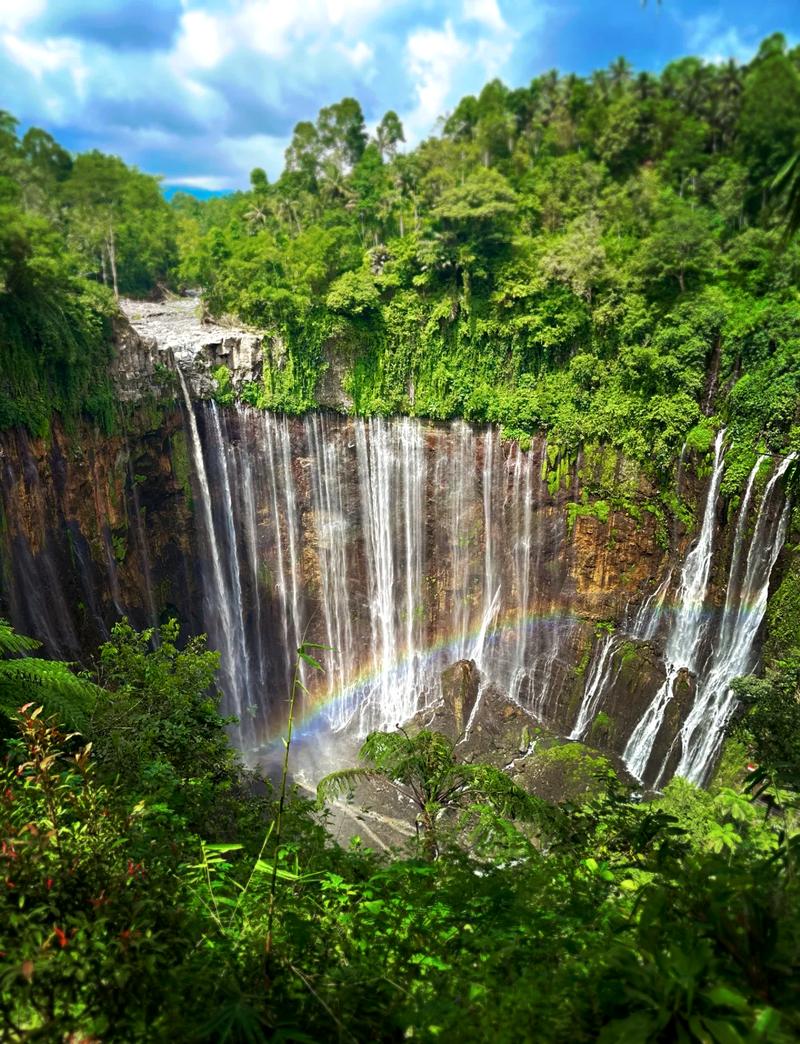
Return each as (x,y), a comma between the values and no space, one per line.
(338,784)
(424,769)
(51,683)
(12,643)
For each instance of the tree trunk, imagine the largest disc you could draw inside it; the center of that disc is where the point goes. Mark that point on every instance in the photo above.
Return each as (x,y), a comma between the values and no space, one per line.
(430,846)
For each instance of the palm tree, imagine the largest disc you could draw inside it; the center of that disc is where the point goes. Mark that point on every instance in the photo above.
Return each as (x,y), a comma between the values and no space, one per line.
(787,186)
(51,683)
(423,769)
(258,215)
(620,72)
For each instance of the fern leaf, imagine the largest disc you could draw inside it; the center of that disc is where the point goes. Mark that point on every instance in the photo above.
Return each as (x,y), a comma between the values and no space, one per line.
(12,644)
(337,784)
(49,682)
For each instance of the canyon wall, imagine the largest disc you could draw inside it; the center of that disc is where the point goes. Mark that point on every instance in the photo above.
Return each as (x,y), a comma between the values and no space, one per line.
(401,546)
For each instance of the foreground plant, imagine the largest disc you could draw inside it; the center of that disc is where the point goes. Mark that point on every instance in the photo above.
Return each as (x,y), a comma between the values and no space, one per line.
(423,768)
(49,682)
(87,905)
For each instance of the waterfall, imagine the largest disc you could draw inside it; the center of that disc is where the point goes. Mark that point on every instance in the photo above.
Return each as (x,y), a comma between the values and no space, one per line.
(331,525)
(222,587)
(522,527)
(686,632)
(383,541)
(491,584)
(403,545)
(744,610)
(597,683)
(462,503)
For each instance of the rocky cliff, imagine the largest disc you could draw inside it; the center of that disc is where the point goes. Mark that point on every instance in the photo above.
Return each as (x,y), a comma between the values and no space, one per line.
(401,545)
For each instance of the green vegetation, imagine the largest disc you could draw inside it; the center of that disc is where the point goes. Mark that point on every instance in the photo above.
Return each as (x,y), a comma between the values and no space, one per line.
(424,770)
(600,258)
(151,890)
(45,681)
(73,232)
(603,259)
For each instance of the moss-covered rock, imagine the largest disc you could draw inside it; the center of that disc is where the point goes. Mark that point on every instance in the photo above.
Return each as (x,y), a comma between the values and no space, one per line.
(783,614)
(559,771)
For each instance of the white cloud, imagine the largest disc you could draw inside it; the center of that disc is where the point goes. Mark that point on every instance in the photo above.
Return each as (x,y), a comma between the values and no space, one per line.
(486,12)
(39,59)
(201,181)
(358,55)
(14,14)
(709,37)
(443,65)
(239,73)
(432,56)
(202,42)
(255,150)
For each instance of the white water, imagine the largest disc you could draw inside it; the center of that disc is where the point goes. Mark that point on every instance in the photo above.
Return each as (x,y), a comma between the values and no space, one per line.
(221,584)
(597,683)
(403,546)
(384,541)
(734,653)
(685,636)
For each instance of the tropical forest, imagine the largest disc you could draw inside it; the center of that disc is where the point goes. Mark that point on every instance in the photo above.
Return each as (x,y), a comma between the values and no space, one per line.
(400,572)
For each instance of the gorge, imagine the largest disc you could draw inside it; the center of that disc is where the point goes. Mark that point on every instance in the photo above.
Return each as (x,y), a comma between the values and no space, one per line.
(401,545)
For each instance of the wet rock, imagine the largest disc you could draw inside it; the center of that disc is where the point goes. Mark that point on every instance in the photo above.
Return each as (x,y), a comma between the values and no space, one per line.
(136,361)
(635,676)
(460,683)
(174,332)
(667,747)
(500,732)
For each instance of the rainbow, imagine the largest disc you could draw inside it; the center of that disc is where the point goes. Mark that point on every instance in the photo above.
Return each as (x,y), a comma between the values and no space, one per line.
(342,703)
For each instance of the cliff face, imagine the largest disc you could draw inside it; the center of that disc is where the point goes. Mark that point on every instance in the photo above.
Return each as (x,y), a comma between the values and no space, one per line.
(400,545)
(94,527)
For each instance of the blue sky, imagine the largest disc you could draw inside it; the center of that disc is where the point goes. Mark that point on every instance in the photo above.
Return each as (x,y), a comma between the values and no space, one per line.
(201,91)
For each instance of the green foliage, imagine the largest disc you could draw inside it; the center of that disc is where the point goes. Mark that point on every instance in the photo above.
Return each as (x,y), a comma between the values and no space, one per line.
(224,394)
(126,914)
(783,615)
(600,263)
(89,903)
(771,726)
(157,728)
(65,226)
(424,769)
(25,679)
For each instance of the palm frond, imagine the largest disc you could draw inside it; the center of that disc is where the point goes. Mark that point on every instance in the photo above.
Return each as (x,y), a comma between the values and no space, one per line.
(787,184)
(499,790)
(338,784)
(380,747)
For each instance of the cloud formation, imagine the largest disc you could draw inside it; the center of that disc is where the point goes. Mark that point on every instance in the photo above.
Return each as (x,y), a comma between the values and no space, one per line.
(201,91)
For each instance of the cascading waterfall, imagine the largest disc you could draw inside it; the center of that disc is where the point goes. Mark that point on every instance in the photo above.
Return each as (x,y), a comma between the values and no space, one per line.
(597,683)
(686,632)
(383,540)
(400,545)
(378,539)
(742,616)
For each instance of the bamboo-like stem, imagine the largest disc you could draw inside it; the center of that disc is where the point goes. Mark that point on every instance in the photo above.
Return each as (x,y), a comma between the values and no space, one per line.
(302,655)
